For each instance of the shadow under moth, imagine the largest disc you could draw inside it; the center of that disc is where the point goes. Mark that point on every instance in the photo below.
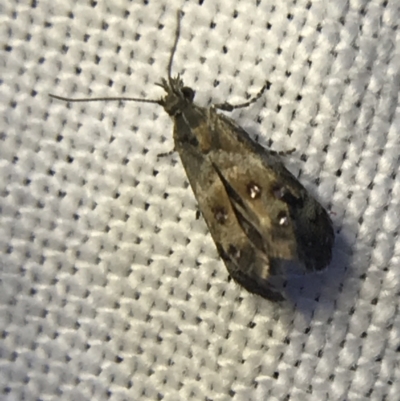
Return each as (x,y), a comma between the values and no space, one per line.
(258,213)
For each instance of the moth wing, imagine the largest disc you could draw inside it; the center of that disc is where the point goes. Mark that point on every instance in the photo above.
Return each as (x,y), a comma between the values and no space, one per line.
(310,223)
(258,214)
(247,264)
(289,222)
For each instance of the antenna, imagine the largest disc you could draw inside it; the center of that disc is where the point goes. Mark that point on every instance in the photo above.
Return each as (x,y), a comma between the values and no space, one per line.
(132,99)
(102,99)
(171,57)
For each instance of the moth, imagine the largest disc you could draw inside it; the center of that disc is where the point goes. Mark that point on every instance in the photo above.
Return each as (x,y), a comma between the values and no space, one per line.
(258,213)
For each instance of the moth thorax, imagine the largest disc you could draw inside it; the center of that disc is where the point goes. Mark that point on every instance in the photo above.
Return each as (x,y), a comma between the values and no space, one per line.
(174,105)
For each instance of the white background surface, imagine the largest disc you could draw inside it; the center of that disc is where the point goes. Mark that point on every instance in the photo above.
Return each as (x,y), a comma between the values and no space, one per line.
(110,287)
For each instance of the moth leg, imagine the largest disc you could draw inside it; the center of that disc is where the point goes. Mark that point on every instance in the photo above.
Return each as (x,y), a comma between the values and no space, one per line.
(283,152)
(164,154)
(229,107)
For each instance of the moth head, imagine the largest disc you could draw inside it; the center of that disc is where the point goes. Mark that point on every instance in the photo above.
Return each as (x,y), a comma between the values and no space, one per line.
(178,96)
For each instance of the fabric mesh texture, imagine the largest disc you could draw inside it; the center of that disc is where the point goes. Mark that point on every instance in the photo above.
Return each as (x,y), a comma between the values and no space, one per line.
(111,289)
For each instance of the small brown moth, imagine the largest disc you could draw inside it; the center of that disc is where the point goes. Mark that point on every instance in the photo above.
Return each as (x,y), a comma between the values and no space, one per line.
(259,215)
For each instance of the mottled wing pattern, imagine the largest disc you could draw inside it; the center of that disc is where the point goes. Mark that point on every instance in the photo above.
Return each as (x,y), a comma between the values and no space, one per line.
(289,201)
(233,227)
(255,209)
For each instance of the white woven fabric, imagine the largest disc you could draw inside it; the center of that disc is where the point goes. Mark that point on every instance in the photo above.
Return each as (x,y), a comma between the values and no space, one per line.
(110,287)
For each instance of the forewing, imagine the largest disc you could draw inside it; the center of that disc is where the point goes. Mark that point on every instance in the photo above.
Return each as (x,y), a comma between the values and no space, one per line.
(258,214)
(310,223)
